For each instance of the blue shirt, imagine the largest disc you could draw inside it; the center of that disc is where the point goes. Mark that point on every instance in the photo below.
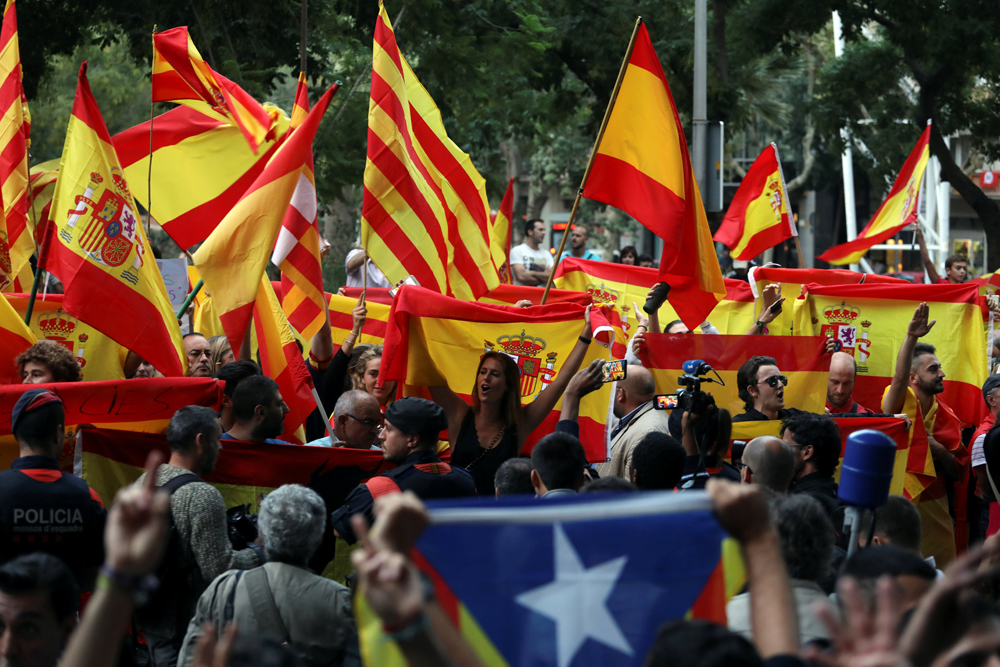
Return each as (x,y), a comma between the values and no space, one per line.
(267,441)
(589,254)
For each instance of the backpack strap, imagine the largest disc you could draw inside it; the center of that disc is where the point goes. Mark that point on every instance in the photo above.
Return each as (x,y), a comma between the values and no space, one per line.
(172,485)
(230,609)
(381,486)
(264,609)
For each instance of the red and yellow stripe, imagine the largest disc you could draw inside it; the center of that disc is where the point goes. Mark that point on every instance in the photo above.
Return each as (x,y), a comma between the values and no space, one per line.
(897,211)
(642,166)
(15,338)
(16,243)
(425,211)
(501,224)
(342,321)
(759,216)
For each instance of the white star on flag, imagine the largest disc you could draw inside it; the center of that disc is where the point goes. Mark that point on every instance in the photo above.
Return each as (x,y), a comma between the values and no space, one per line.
(577,601)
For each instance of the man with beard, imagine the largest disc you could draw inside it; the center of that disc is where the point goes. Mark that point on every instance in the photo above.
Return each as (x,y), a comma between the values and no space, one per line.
(916,384)
(258,412)
(816,444)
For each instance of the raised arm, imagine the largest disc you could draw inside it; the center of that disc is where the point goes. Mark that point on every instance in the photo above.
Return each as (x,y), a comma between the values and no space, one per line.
(355,261)
(925,256)
(321,349)
(358,316)
(536,411)
(770,296)
(454,408)
(918,327)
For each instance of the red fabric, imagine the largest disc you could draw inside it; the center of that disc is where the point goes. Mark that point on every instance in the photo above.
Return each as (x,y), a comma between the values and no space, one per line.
(821,277)
(994,526)
(984,427)
(42,474)
(847,407)
(96,498)
(728,352)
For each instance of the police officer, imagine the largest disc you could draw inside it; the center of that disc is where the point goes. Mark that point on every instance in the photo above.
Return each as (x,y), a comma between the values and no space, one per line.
(409,440)
(41,507)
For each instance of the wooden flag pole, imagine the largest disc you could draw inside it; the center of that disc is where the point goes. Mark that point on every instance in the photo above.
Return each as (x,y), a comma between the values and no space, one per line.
(593,155)
(149,174)
(798,249)
(364,287)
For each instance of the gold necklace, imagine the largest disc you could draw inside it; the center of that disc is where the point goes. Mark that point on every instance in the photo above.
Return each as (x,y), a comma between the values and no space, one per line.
(493,444)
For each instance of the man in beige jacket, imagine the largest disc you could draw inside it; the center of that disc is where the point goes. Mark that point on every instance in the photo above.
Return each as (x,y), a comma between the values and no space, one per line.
(637,416)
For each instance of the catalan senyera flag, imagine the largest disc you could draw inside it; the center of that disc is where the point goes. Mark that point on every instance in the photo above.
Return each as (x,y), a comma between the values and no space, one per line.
(870,322)
(97,247)
(898,210)
(281,361)
(16,244)
(181,75)
(233,258)
(802,359)
(202,166)
(500,224)
(759,216)
(296,252)
(342,321)
(561,597)
(621,285)
(642,166)
(425,211)
(43,185)
(100,357)
(434,340)
(15,338)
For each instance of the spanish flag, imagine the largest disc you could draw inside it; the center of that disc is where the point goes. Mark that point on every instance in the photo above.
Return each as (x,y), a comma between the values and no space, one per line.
(642,166)
(759,216)
(15,338)
(296,252)
(232,260)
(897,211)
(870,321)
(97,247)
(202,166)
(16,244)
(181,75)
(501,223)
(425,211)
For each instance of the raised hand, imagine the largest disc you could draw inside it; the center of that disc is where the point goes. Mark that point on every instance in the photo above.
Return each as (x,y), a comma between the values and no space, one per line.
(640,316)
(865,639)
(586,379)
(136,532)
(740,508)
(399,520)
(770,294)
(388,579)
(919,326)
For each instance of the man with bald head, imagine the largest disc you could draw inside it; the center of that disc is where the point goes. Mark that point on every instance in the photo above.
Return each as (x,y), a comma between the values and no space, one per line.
(357,419)
(839,390)
(769,462)
(635,408)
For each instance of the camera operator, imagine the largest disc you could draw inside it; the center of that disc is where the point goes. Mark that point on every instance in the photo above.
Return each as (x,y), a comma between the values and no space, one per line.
(637,415)
(705,429)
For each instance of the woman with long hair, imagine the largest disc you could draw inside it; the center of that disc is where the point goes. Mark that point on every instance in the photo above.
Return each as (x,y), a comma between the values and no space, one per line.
(496,426)
(221,352)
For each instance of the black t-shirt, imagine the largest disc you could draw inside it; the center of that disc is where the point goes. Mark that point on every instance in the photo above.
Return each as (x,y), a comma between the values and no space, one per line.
(754,415)
(991,450)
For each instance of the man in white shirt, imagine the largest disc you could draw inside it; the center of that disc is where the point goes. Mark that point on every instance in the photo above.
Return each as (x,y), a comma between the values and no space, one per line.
(356,272)
(530,263)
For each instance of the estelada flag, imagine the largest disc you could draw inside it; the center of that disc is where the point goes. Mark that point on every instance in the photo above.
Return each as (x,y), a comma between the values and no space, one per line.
(620,286)
(801,359)
(434,340)
(97,247)
(342,321)
(759,216)
(555,596)
(897,211)
(281,360)
(15,338)
(233,258)
(16,243)
(425,212)
(500,224)
(202,166)
(181,75)
(870,322)
(642,166)
(100,358)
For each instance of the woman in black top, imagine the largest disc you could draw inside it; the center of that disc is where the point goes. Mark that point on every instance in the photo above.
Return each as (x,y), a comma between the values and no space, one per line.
(496,427)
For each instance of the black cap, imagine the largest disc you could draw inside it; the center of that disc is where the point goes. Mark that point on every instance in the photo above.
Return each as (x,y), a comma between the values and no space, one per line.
(992,382)
(30,401)
(416,416)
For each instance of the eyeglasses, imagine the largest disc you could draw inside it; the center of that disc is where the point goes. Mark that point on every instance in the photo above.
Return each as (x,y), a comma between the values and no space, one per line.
(370,423)
(740,465)
(196,354)
(773,381)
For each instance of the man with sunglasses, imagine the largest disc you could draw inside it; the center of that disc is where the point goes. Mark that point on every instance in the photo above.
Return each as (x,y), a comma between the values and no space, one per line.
(762,388)
(357,419)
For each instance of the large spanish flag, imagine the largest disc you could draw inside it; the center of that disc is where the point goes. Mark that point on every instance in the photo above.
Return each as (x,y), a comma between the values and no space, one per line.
(181,75)
(16,244)
(621,286)
(501,223)
(15,338)
(897,211)
(434,340)
(802,359)
(232,260)
(281,360)
(870,322)
(425,211)
(642,166)
(97,247)
(759,216)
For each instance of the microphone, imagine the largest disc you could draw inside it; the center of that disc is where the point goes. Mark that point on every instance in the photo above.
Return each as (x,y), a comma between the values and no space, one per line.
(657,298)
(865,477)
(696,367)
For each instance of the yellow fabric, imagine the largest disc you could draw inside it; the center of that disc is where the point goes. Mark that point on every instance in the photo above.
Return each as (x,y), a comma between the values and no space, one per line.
(15,337)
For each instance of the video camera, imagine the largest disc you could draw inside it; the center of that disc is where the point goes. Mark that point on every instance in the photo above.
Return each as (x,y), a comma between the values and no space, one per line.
(692,399)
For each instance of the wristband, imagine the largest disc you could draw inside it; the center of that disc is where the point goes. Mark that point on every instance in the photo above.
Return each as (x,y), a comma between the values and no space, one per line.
(643,326)
(409,629)
(585,341)
(318,360)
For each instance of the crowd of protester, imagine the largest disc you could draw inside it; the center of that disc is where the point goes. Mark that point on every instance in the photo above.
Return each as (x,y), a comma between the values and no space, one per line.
(266,602)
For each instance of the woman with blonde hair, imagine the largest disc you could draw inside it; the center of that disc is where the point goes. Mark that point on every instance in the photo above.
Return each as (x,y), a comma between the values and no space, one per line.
(365,376)
(221,352)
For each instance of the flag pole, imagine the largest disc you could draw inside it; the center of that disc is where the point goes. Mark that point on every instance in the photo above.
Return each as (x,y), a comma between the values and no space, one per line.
(149,174)
(798,249)
(364,286)
(593,155)
(39,272)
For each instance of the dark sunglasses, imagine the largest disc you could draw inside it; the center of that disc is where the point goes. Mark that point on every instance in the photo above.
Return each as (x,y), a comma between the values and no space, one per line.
(370,423)
(773,381)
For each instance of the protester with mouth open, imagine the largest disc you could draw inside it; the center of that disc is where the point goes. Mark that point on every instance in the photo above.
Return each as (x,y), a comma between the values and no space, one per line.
(762,388)
(496,426)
